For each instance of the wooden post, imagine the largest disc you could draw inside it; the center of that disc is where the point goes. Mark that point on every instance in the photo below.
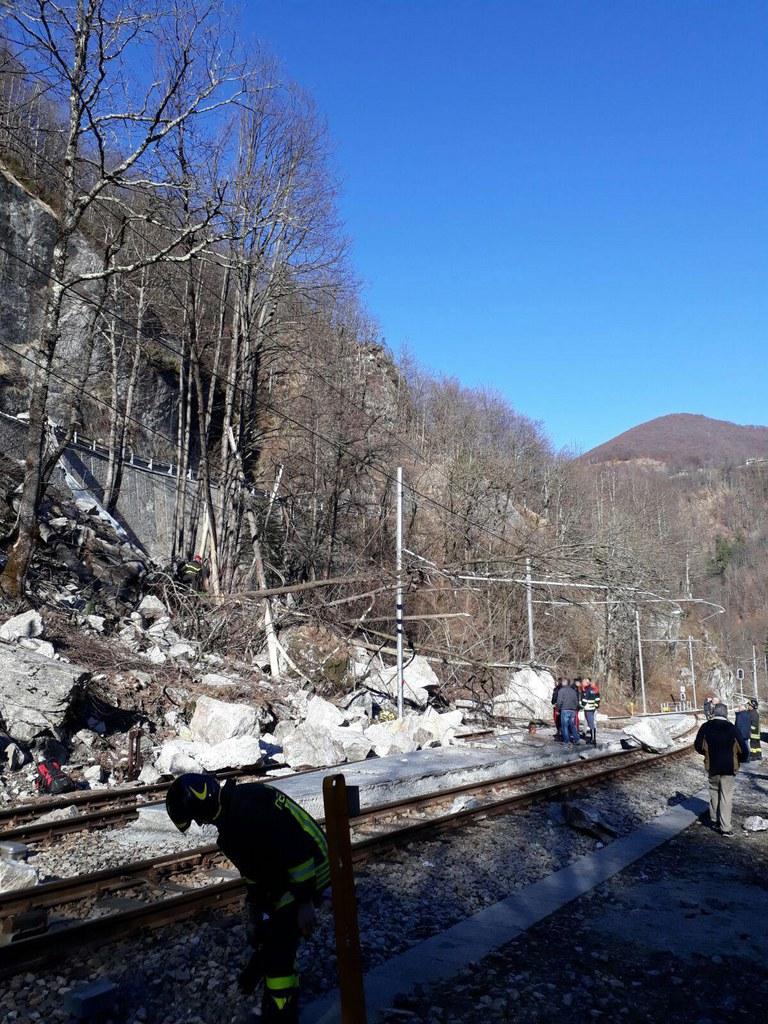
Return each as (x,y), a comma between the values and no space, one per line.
(348,955)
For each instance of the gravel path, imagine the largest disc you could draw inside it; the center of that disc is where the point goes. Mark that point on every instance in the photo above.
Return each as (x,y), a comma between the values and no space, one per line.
(186,974)
(679,936)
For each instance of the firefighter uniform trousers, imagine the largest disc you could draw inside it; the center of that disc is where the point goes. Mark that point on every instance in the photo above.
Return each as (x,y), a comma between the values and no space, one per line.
(755,749)
(280,938)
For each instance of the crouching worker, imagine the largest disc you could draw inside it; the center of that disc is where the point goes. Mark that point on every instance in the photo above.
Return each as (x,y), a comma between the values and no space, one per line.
(282,854)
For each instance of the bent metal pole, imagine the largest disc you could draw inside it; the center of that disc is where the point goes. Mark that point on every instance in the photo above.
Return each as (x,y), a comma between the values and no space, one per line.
(529,600)
(399,598)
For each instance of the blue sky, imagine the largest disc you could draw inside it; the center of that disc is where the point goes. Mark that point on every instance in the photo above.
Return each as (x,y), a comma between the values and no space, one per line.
(566,201)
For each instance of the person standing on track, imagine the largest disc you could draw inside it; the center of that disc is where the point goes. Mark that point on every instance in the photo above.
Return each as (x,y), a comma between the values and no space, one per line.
(755,747)
(568,706)
(590,702)
(724,748)
(282,854)
(555,710)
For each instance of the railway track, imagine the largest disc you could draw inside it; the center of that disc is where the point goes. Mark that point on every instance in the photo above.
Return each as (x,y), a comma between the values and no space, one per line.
(162,890)
(96,809)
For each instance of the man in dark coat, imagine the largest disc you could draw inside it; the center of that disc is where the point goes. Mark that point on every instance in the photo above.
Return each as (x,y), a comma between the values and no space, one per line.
(281,852)
(568,706)
(724,748)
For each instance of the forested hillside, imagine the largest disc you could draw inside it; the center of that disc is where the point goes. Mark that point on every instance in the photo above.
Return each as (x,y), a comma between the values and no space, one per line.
(177,283)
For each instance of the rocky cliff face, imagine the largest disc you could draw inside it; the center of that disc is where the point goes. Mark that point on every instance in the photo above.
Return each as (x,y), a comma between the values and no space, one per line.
(27,231)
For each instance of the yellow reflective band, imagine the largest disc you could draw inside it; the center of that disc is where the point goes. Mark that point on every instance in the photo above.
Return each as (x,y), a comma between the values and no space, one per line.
(323,876)
(303,871)
(203,795)
(308,823)
(279,984)
(280,1001)
(284,900)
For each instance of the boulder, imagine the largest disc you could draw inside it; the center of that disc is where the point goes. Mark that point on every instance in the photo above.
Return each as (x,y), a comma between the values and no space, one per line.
(216,720)
(152,608)
(36,692)
(16,874)
(181,650)
(394,737)
(240,752)
(177,757)
(156,656)
(527,694)
(215,679)
(15,757)
(323,714)
(442,726)
(27,624)
(418,680)
(754,823)
(312,747)
(96,622)
(651,733)
(356,744)
(148,775)
(43,647)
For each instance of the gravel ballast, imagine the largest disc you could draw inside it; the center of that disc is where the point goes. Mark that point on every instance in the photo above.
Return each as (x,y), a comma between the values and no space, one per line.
(186,974)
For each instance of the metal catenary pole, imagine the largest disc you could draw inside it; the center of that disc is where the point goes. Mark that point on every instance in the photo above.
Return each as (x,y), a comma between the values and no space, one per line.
(640,658)
(399,596)
(754,670)
(693,670)
(529,601)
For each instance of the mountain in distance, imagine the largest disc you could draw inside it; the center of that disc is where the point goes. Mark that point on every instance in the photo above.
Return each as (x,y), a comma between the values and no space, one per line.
(684,441)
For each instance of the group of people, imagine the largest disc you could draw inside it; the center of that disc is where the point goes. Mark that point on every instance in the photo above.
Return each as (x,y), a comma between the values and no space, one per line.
(569,697)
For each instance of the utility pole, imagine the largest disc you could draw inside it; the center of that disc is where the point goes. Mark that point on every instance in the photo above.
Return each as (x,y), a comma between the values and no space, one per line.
(754,671)
(529,599)
(693,670)
(399,596)
(640,659)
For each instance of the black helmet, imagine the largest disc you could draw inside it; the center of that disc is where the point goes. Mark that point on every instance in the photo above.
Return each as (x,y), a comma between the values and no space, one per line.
(753,702)
(193,797)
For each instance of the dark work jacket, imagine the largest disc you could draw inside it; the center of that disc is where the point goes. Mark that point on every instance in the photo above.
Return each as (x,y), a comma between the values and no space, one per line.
(742,723)
(568,699)
(277,847)
(722,745)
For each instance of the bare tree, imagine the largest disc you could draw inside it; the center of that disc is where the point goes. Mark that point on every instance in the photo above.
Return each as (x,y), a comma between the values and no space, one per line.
(83,49)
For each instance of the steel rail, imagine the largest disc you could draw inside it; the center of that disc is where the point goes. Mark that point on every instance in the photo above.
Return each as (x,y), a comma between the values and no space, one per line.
(15,816)
(36,950)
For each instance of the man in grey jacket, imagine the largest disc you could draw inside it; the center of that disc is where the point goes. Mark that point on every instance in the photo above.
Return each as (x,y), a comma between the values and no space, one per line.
(568,706)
